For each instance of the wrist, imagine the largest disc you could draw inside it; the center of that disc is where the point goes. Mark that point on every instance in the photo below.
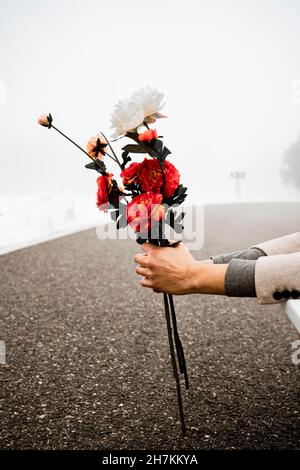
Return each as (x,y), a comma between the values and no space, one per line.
(195,277)
(207,278)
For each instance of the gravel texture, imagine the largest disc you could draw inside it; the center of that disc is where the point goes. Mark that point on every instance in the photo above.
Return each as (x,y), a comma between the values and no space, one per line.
(88,363)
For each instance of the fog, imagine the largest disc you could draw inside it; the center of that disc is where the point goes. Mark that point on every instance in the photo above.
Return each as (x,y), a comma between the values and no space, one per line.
(230,71)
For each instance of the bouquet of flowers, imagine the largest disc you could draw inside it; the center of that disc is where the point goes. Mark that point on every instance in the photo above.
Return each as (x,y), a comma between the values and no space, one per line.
(150,191)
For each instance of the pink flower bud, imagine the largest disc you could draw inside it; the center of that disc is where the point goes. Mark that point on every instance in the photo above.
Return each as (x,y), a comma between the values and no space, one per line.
(96,147)
(45,120)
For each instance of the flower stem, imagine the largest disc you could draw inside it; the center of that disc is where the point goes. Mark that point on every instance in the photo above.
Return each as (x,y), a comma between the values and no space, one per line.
(80,148)
(72,141)
(178,344)
(174,365)
(113,152)
(112,158)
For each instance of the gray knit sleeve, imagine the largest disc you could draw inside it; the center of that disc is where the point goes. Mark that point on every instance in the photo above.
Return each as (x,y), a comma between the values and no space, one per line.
(240,278)
(250,254)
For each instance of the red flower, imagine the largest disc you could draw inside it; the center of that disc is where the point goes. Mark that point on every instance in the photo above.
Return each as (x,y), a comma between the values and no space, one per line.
(148,135)
(151,178)
(131,173)
(172,177)
(104,188)
(144,211)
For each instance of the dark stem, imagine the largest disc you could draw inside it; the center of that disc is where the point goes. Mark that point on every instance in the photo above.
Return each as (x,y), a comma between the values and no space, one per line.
(72,141)
(107,154)
(113,152)
(178,344)
(80,148)
(173,356)
(174,365)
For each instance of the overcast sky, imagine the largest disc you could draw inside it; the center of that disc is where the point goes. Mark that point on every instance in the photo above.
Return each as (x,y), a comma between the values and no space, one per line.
(227,69)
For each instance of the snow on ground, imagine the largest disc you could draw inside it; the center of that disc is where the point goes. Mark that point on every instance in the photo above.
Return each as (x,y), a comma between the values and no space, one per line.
(32,219)
(29,220)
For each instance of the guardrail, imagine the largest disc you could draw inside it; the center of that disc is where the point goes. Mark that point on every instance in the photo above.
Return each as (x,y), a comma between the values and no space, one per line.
(292,309)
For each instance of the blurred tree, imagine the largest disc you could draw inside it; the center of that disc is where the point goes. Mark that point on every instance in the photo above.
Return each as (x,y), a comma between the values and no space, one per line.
(290,170)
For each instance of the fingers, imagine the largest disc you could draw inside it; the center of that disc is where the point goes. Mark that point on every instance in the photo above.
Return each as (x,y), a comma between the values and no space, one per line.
(143,271)
(146,282)
(144,264)
(141,259)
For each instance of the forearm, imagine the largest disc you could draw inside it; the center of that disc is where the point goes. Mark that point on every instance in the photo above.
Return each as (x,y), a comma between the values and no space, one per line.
(208,278)
(175,271)
(236,279)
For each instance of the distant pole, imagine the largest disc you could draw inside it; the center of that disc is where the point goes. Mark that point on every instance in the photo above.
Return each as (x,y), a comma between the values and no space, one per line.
(238,176)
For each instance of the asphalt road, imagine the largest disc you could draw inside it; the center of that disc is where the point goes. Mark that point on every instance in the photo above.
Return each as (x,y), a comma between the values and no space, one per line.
(87,353)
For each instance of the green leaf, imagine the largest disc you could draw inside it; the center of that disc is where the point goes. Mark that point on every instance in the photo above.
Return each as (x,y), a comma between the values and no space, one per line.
(125,158)
(165,153)
(91,166)
(158,115)
(97,165)
(101,168)
(132,148)
(158,146)
(178,196)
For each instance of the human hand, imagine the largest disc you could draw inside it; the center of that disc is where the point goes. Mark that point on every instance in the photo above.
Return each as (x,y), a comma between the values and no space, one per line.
(166,269)
(175,271)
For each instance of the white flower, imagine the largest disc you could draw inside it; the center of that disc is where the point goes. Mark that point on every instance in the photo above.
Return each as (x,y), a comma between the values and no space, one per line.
(149,99)
(131,112)
(127,116)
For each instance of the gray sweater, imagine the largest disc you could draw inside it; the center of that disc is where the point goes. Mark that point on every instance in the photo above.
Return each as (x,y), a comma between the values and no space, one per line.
(240,274)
